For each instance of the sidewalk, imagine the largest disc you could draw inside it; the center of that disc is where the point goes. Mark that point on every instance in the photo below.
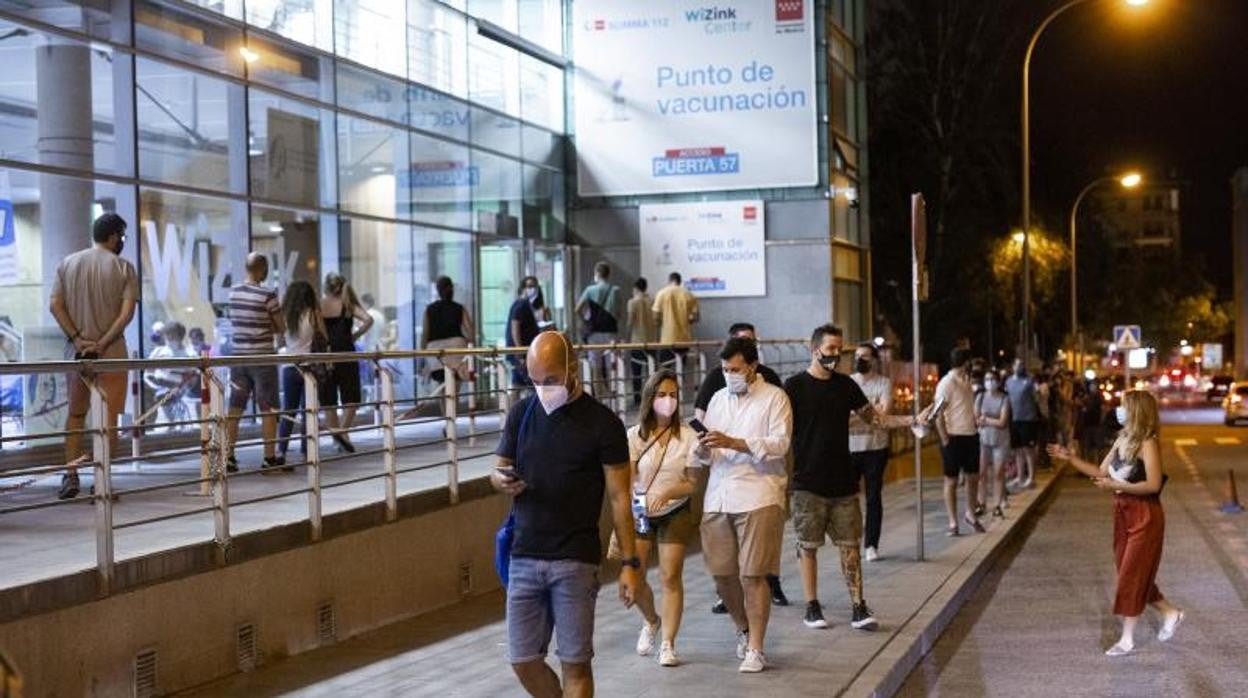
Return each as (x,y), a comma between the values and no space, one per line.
(460,650)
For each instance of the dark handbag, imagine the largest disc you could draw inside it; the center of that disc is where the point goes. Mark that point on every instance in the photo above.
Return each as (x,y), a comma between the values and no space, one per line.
(319,369)
(506,536)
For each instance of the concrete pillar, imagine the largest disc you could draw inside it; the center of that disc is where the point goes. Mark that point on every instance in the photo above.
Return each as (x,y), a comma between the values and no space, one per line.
(1239,236)
(64,107)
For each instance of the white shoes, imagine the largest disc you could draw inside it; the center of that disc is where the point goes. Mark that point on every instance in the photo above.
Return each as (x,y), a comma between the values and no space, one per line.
(1169,626)
(743,643)
(754,662)
(667,655)
(872,555)
(645,639)
(1119,650)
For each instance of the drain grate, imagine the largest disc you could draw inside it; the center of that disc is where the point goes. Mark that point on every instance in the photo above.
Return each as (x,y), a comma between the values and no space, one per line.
(145,673)
(326,625)
(246,647)
(465,578)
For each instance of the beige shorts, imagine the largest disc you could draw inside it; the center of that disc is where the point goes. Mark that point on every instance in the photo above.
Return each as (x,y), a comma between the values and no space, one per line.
(817,518)
(746,544)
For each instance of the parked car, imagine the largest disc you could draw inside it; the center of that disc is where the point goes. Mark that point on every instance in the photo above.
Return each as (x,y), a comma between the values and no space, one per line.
(1235,404)
(1218,387)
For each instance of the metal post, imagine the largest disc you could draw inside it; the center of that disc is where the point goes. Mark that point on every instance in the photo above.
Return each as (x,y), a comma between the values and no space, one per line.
(451,400)
(207,413)
(680,368)
(587,376)
(388,442)
(220,480)
(472,399)
(918,228)
(136,434)
(103,485)
(504,390)
(701,365)
(623,378)
(312,433)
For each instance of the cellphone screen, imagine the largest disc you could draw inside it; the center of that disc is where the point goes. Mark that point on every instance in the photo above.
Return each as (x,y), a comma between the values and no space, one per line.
(698,426)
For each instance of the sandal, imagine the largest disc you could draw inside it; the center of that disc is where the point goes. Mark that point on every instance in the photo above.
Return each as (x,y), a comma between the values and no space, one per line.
(974,522)
(952,531)
(997,513)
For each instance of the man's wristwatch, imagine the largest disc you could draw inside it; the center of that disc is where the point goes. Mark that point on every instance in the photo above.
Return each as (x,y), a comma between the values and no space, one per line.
(634,562)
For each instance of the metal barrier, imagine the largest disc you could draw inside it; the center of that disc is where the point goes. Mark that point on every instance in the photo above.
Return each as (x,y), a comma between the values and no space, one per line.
(402,447)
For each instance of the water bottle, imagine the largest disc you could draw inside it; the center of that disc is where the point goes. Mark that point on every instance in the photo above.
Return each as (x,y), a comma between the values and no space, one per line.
(641,523)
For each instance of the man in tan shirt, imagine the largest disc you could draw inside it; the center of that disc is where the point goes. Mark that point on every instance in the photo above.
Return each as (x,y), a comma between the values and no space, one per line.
(93,299)
(640,331)
(677,309)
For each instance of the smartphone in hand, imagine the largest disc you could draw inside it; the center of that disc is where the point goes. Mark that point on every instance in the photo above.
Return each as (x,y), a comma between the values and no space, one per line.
(698,426)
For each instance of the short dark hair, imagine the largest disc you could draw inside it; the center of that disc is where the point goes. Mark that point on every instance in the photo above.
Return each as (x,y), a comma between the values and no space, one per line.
(603,269)
(674,277)
(641,284)
(740,327)
(106,226)
(367,299)
(825,330)
(870,346)
(445,287)
(959,357)
(740,346)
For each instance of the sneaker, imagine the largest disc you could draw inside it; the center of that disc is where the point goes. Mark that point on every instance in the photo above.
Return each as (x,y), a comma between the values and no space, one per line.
(872,554)
(69,487)
(754,662)
(719,607)
(645,640)
(777,593)
(1168,627)
(1119,650)
(743,643)
(667,655)
(269,466)
(862,619)
(814,615)
(231,464)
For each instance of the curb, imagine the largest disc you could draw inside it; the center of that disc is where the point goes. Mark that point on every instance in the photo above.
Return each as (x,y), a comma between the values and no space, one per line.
(884,675)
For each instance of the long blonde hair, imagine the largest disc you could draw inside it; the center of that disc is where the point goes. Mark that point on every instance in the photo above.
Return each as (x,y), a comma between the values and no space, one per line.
(1143,423)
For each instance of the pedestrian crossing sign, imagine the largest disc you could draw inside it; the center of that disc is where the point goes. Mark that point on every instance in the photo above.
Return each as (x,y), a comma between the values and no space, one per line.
(1127,336)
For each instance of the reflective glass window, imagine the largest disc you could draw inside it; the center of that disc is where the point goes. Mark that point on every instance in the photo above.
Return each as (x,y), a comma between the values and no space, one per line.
(493,75)
(438,113)
(291,148)
(194,37)
(229,8)
(104,19)
(370,93)
(500,12)
(377,260)
(437,41)
(187,121)
(371,157)
(49,114)
(372,33)
(309,22)
(290,67)
(292,240)
(495,131)
(442,253)
(497,194)
(541,21)
(542,147)
(543,204)
(541,93)
(441,177)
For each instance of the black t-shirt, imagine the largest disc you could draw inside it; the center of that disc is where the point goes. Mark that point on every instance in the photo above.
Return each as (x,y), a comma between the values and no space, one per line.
(522,312)
(560,458)
(715,381)
(821,410)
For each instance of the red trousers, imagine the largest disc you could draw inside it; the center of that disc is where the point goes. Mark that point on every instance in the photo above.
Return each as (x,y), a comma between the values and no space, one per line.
(1139,529)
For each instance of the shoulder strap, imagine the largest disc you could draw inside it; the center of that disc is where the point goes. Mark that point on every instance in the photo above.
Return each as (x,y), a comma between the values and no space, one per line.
(662,456)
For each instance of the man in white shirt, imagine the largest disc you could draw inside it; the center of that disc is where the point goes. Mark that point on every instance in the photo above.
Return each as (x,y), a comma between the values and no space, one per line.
(959,439)
(750,425)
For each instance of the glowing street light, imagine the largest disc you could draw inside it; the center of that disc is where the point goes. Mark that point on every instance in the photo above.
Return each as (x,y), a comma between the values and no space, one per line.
(1019,237)
(1131,180)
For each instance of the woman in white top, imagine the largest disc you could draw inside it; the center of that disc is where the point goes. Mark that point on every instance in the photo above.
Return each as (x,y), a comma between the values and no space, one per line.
(665,475)
(992,414)
(302,311)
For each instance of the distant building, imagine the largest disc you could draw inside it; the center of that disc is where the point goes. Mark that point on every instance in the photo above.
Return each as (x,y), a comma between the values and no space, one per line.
(1144,219)
(1239,237)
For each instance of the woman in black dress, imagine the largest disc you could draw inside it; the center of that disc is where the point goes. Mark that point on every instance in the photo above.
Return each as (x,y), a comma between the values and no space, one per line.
(341,310)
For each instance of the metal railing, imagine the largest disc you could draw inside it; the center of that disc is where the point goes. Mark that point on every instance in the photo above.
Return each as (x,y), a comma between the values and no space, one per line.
(484,389)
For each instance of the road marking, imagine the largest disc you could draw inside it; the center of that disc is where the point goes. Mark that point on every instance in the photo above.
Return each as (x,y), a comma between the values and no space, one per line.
(1185,442)
(1226,441)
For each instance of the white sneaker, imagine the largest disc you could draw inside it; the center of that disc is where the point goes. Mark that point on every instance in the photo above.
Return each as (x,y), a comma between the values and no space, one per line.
(872,555)
(667,655)
(743,643)
(754,662)
(1119,650)
(645,639)
(1168,627)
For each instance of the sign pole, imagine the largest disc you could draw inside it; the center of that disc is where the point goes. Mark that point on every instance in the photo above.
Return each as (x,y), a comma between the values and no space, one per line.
(918,240)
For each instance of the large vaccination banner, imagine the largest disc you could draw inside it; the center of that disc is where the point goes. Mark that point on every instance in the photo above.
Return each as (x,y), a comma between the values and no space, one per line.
(718,247)
(680,96)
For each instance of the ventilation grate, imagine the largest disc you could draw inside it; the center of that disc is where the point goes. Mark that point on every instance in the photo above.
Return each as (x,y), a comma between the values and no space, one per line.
(246,647)
(145,674)
(465,578)
(326,625)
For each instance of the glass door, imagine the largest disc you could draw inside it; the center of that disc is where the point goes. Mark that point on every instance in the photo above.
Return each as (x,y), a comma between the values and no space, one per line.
(549,266)
(501,266)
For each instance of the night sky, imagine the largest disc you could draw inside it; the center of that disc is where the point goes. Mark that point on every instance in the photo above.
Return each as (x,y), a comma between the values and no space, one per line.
(1161,88)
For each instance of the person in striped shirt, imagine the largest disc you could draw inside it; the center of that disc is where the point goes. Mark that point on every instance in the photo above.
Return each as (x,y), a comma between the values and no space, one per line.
(256,317)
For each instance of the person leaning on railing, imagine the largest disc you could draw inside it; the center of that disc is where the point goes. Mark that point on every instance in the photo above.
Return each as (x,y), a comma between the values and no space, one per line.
(94,296)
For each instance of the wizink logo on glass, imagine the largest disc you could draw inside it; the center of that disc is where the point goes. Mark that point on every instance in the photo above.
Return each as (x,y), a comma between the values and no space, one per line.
(718,20)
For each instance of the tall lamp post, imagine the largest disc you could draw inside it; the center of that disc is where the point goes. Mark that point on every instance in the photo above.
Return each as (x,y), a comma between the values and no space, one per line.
(1026,129)
(1128,181)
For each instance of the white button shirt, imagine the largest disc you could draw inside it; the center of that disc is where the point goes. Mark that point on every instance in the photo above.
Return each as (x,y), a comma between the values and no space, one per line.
(959,411)
(742,482)
(879,392)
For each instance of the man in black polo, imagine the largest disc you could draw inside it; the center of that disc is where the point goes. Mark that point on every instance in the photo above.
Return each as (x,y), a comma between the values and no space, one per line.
(713,383)
(560,450)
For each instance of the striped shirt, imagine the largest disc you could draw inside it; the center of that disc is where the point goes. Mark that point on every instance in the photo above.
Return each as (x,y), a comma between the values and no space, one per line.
(252,308)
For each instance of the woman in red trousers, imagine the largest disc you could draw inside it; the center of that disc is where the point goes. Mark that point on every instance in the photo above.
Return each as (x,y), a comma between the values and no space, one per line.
(1132,472)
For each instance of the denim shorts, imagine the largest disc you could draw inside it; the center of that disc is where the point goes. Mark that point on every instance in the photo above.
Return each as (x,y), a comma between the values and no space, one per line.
(546,597)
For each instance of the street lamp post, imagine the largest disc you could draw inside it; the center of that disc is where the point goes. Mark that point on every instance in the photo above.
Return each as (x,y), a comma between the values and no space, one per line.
(1026,133)
(1128,181)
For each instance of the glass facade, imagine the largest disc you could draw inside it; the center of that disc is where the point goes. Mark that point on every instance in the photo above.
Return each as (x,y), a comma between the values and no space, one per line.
(846,138)
(387,140)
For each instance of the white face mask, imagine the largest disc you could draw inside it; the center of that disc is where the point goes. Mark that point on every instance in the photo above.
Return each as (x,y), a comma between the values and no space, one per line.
(530,293)
(665,406)
(1120,413)
(737,384)
(552,397)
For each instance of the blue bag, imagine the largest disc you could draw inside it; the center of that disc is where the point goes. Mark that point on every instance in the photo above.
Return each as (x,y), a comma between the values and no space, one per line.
(506,535)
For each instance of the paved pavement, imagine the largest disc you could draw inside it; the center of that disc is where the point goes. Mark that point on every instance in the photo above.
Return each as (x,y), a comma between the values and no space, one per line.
(1039,623)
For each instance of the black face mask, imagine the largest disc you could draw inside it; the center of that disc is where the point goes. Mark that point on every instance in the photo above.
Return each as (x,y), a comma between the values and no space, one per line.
(862,365)
(829,362)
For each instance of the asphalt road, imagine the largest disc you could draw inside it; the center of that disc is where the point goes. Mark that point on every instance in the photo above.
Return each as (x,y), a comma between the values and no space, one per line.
(1039,623)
